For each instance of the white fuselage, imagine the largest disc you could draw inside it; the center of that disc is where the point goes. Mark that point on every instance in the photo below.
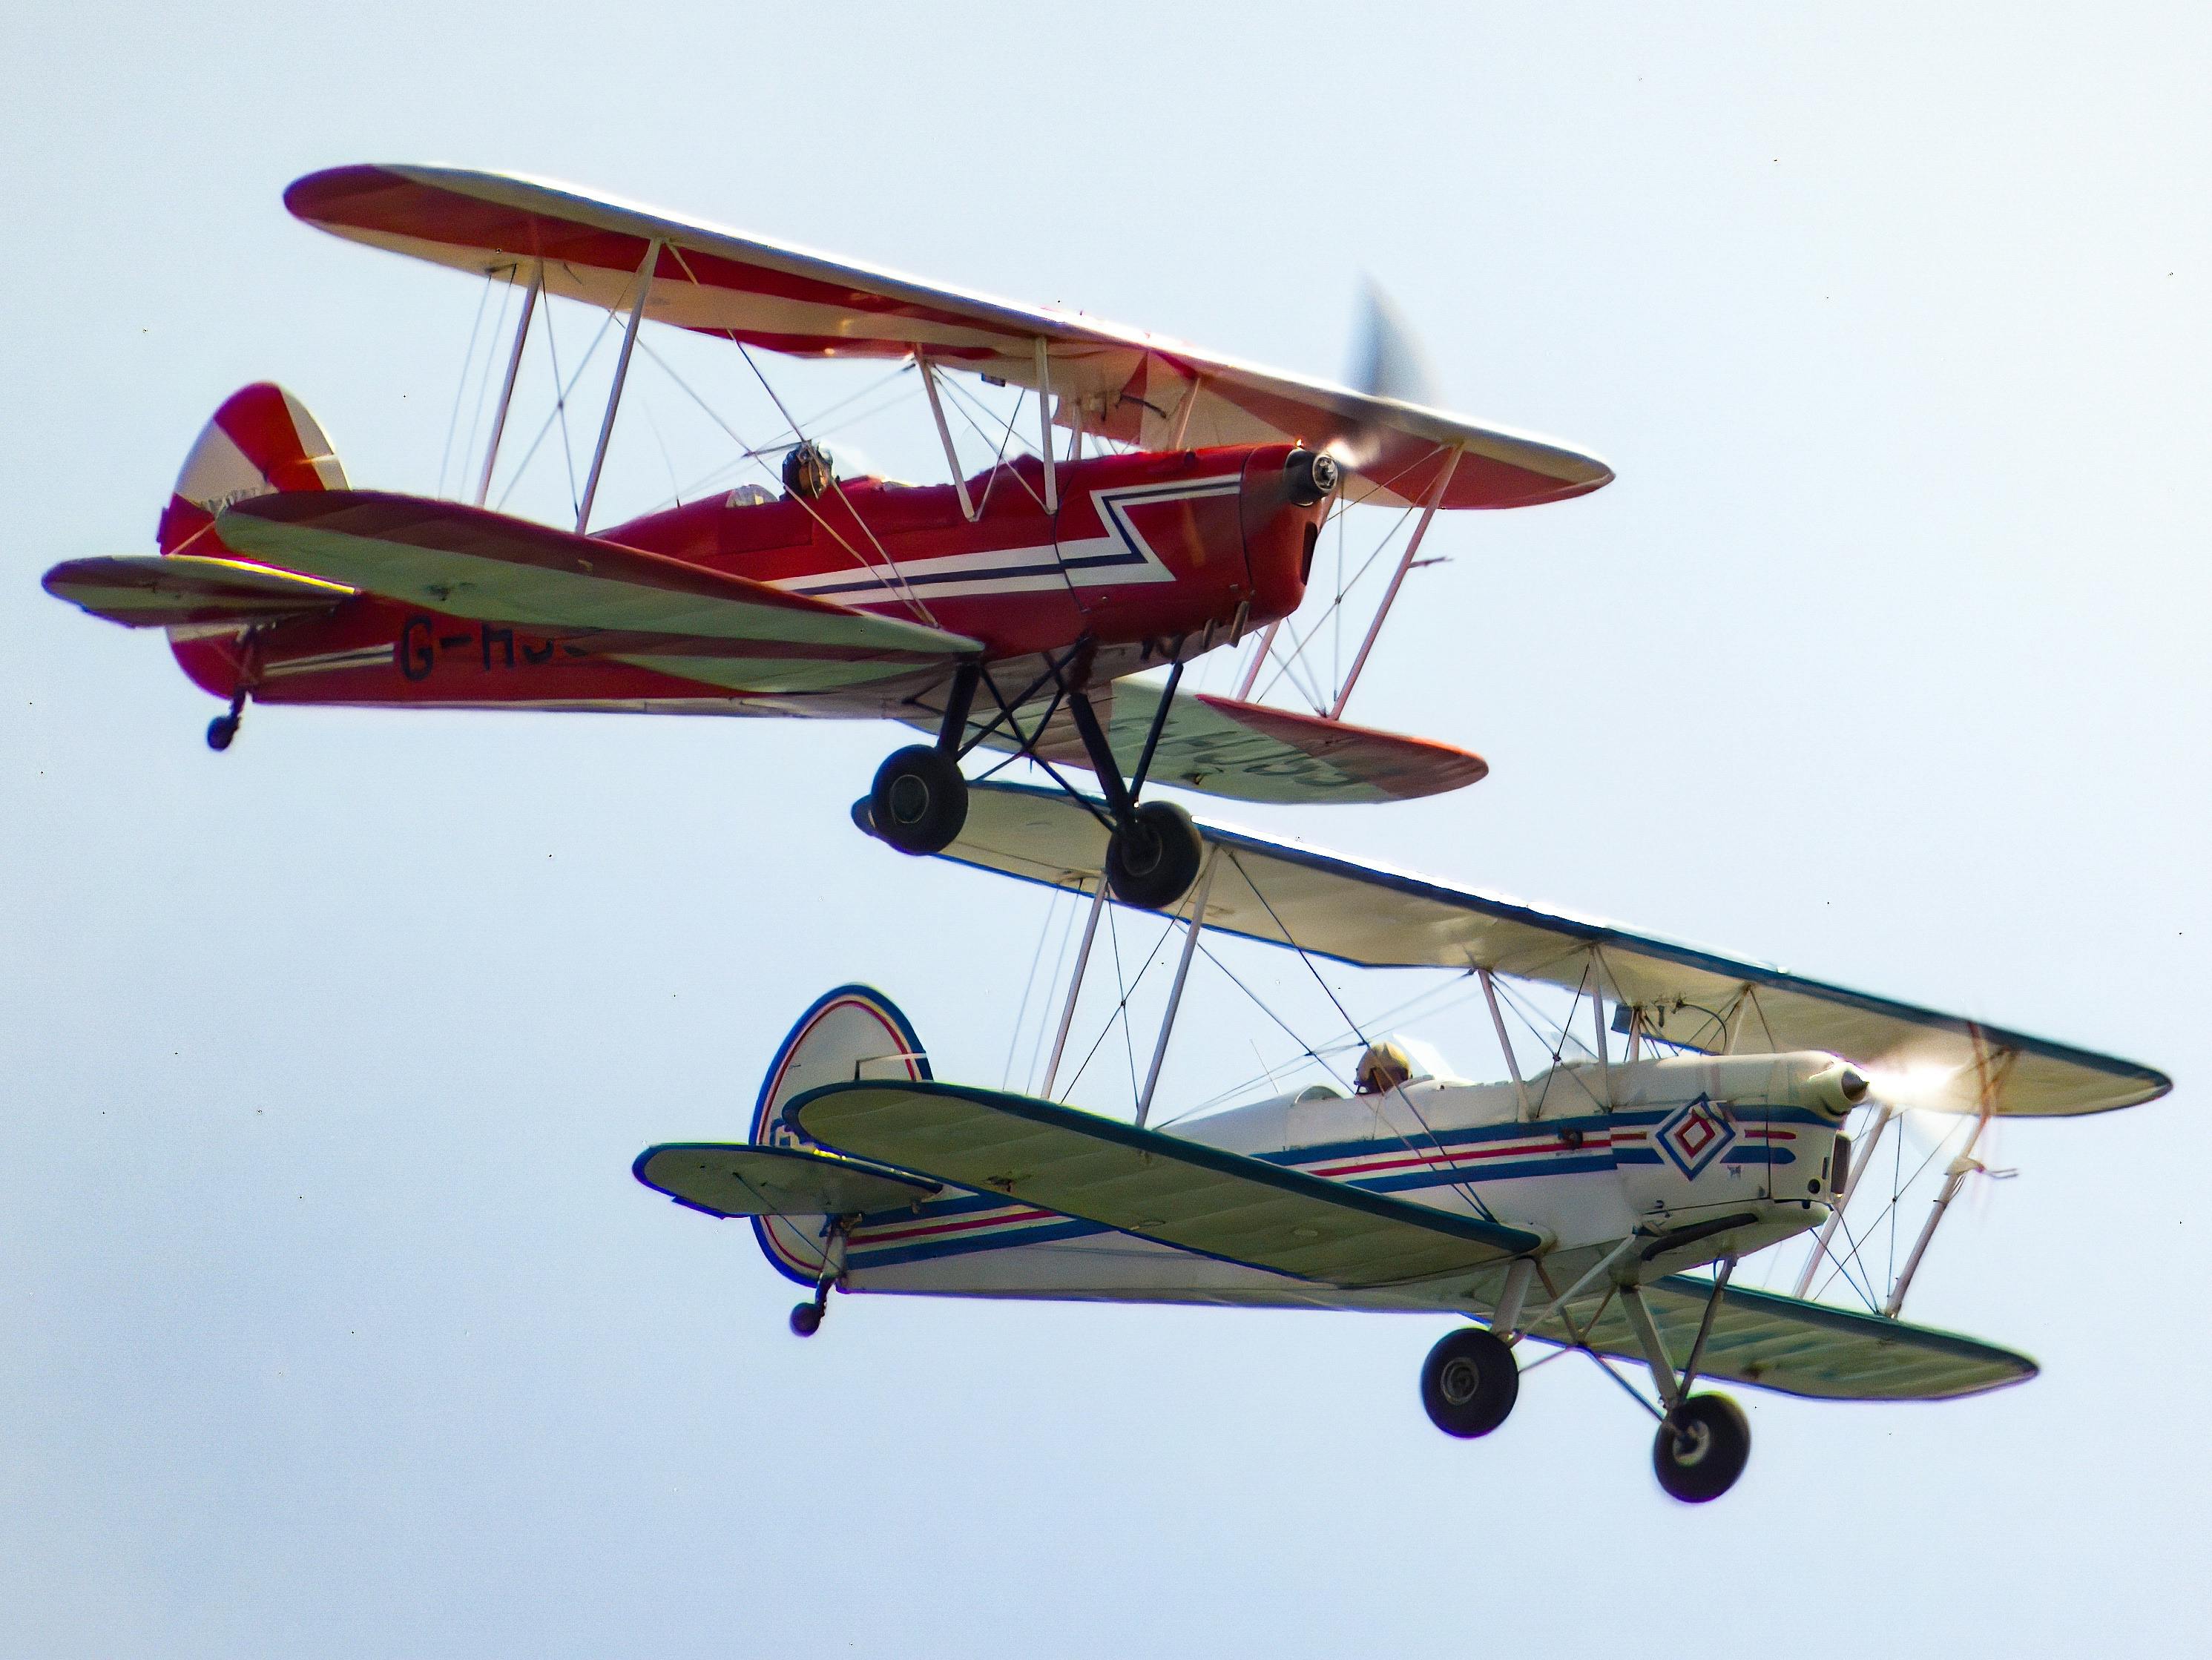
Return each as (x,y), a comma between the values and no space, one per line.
(1730,1154)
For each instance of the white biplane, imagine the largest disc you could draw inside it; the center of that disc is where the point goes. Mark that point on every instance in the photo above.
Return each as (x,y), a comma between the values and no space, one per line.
(1707,1119)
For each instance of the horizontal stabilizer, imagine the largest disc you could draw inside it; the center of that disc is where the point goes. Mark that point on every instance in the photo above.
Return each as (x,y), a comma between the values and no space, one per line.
(1284,893)
(1254,752)
(742,1180)
(1156,1187)
(1797,1348)
(186,591)
(642,608)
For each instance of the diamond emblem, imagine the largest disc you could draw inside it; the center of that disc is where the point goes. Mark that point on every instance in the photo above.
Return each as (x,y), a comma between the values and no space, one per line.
(1695,1135)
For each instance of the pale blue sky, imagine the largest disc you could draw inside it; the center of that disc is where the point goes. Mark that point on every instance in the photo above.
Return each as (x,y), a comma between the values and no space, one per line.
(331,1319)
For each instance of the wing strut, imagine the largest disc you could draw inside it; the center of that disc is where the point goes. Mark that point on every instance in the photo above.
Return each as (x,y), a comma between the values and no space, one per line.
(1966,1164)
(1044,421)
(1074,987)
(945,435)
(1505,1043)
(622,374)
(1182,972)
(1860,1159)
(506,388)
(1397,578)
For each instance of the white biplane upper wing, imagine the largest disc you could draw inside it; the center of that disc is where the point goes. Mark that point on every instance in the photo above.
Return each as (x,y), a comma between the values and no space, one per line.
(1127,384)
(1156,1187)
(1374,916)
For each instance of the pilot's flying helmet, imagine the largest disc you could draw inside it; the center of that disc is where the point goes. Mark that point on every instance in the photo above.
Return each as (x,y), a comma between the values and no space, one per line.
(1390,1062)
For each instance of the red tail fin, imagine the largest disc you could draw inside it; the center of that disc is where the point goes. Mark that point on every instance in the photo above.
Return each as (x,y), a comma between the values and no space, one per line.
(261,442)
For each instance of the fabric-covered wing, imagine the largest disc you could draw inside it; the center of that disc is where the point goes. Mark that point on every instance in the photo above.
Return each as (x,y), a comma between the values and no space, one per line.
(637,607)
(1379,917)
(1132,385)
(1797,1348)
(744,1180)
(187,592)
(1248,750)
(1156,1187)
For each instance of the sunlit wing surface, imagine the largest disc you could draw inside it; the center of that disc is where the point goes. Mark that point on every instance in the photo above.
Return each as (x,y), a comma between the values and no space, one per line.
(1154,1186)
(1134,386)
(1378,917)
(1804,1349)
(1250,752)
(634,607)
(753,1181)
(187,592)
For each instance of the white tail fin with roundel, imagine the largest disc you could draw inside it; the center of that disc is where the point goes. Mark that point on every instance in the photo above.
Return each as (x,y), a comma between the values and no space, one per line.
(850,1033)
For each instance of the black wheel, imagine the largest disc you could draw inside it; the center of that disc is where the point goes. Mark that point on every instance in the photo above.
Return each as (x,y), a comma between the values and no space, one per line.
(1153,862)
(221,731)
(920,800)
(806,1320)
(1702,1447)
(1469,1383)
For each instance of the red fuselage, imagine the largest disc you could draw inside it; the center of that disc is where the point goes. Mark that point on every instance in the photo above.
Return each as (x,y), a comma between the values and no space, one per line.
(1149,557)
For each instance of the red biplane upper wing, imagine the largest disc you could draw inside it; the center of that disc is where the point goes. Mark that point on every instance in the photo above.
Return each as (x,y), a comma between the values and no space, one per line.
(1130,385)
(633,606)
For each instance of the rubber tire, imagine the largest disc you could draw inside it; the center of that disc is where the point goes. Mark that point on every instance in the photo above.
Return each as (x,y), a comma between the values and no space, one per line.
(221,731)
(1701,1449)
(1152,864)
(919,801)
(806,1320)
(1469,1383)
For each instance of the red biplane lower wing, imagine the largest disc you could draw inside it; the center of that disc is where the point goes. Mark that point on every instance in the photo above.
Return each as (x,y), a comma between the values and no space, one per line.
(186,594)
(1254,752)
(631,606)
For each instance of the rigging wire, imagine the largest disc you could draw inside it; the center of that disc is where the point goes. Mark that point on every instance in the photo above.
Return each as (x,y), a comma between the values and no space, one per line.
(1029,986)
(559,411)
(461,386)
(1434,1153)
(1120,1009)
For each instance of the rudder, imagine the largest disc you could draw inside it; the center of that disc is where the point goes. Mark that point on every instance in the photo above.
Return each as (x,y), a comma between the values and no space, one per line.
(262,441)
(851,1032)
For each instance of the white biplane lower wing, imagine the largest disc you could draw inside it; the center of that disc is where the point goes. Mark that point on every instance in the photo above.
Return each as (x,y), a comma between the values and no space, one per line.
(1155,1187)
(1285,894)
(744,1180)
(1132,386)
(1797,1348)
(636,607)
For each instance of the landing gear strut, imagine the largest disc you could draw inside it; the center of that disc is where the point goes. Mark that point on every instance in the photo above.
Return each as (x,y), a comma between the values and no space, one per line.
(1703,1440)
(919,801)
(224,727)
(1155,852)
(806,1317)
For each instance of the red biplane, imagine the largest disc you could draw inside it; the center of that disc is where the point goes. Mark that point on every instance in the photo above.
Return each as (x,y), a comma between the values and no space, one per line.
(1001,609)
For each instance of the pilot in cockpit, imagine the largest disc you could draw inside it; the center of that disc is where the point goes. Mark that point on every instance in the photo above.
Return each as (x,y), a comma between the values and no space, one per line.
(1383,1069)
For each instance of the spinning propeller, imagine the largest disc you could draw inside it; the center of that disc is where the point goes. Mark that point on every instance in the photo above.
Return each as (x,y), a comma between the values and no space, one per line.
(1387,362)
